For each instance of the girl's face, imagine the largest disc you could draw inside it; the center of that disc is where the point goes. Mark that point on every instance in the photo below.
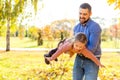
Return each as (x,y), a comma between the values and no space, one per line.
(78,46)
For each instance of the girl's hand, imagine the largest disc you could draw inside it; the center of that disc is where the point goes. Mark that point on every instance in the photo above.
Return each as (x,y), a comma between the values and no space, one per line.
(102,66)
(48,58)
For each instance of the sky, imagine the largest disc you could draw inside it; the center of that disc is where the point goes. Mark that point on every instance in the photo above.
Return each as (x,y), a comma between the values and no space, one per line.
(69,9)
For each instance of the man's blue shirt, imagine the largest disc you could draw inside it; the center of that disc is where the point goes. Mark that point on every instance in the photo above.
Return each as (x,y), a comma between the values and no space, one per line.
(93,33)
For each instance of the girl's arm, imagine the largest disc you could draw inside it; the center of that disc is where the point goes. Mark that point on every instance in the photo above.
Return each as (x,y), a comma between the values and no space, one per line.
(71,54)
(63,48)
(90,55)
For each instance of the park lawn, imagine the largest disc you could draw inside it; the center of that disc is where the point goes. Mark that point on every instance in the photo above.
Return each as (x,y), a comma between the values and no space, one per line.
(16,42)
(30,65)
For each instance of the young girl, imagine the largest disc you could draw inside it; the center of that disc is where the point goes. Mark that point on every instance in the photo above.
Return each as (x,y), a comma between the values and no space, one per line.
(75,45)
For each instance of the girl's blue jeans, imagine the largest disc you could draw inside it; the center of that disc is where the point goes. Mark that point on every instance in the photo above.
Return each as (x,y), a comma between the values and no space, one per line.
(84,69)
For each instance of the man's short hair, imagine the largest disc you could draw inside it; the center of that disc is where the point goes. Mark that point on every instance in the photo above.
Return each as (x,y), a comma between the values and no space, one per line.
(86,6)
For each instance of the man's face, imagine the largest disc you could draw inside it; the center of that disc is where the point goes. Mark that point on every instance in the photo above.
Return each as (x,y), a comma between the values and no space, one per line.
(84,15)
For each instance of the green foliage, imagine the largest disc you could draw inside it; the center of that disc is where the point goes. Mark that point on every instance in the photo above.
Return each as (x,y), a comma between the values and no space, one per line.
(105,35)
(13,29)
(9,12)
(2,30)
(34,2)
(33,32)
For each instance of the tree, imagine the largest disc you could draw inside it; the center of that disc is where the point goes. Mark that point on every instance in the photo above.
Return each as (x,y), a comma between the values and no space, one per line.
(9,11)
(115,2)
(40,40)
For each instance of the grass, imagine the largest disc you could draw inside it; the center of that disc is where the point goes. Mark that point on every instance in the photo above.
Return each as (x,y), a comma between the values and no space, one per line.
(110,44)
(22,65)
(16,42)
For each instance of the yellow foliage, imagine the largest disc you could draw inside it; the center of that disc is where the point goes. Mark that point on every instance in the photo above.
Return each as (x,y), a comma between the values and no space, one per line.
(16,1)
(116,2)
(118,5)
(111,1)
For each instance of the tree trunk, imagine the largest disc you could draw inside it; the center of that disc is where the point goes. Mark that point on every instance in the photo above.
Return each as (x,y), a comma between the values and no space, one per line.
(40,40)
(8,35)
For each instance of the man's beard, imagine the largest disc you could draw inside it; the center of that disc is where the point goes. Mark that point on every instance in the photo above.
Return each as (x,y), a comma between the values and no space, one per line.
(84,21)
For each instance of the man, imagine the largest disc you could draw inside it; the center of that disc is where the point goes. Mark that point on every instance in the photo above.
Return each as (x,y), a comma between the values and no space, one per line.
(84,67)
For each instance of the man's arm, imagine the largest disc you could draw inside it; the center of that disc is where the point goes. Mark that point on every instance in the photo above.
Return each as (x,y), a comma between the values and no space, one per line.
(94,38)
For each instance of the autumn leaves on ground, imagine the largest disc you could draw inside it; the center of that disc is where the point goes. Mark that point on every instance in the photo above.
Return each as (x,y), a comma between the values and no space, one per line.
(22,65)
